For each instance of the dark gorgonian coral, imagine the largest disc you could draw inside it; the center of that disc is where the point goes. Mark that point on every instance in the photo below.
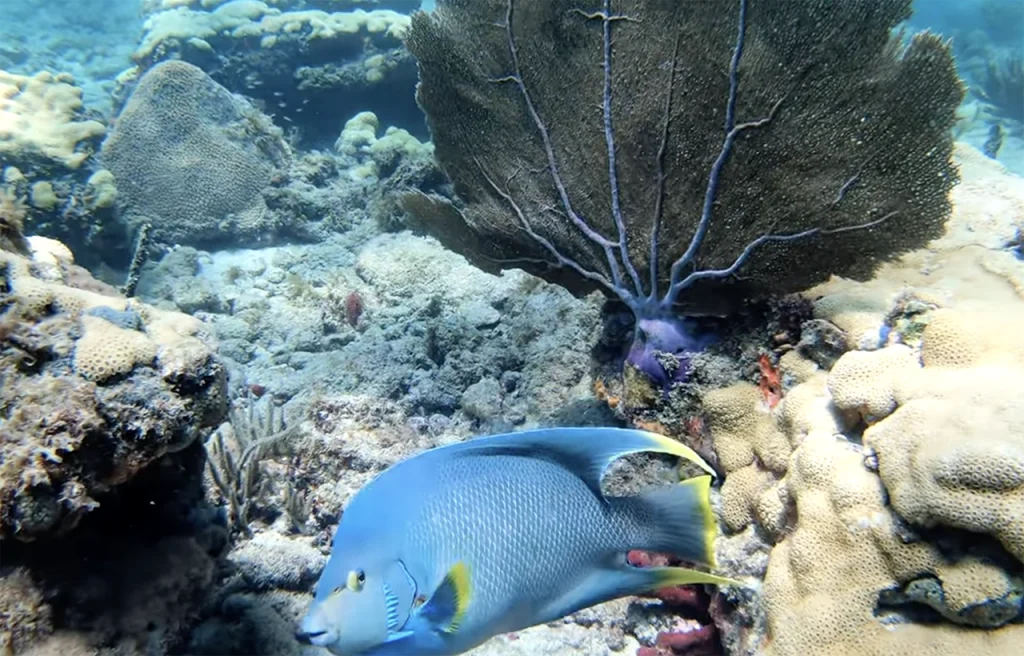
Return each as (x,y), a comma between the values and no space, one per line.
(684,155)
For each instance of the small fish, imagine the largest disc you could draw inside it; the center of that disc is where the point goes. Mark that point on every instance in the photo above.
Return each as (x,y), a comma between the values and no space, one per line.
(461,543)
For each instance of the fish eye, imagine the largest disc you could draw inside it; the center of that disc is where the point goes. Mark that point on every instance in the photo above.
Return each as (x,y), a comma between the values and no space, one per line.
(356,579)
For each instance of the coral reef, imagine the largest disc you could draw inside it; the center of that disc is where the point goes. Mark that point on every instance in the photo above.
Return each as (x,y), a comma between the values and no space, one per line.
(404,6)
(660,201)
(12,223)
(96,387)
(130,579)
(40,121)
(236,449)
(877,498)
(433,333)
(162,492)
(24,615)
(308,63)
(323,194)
(379,157)
(47,141)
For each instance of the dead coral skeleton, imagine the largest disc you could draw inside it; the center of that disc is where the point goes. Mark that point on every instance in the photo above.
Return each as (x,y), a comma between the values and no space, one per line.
(235,449)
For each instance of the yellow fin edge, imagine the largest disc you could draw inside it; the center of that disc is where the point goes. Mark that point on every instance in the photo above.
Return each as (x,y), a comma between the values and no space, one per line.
(664,444)
(458,576)
(709,529)
(669,576)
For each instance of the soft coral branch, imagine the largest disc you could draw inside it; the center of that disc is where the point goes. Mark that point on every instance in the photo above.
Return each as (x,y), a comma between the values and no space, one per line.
(549,152)
(648,305)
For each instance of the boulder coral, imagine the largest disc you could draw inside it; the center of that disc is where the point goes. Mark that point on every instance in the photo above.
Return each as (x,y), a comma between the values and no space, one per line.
(951,451)
(191,159)
(307,62)
(849,556)
(95,388)
(879,502)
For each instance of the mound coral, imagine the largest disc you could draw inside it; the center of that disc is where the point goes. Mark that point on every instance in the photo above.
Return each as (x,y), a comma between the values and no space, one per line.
(308,62)
(843,568)
(930,457)
(190,159)
(379,157)
(96,387)
(40,121)
(880,500)
(824,148)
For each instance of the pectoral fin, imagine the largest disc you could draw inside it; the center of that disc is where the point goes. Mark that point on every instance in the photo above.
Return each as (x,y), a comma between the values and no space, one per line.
(447,607)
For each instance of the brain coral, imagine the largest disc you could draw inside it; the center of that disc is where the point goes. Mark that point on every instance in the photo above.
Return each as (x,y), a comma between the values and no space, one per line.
(191,159)
(86,404)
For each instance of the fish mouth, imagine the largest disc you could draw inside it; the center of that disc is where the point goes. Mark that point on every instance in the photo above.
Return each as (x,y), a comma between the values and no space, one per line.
(314,631)
(316,638)
(309,637)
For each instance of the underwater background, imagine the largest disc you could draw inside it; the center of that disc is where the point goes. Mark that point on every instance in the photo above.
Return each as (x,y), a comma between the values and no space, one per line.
(246,268)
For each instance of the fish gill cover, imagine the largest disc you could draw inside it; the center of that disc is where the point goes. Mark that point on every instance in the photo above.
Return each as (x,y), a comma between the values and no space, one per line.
(685,153)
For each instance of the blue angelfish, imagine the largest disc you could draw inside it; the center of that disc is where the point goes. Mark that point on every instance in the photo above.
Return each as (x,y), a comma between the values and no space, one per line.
(460,543)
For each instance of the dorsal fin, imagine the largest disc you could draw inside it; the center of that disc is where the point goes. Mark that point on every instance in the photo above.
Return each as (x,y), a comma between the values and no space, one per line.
(587,452)
(446,608)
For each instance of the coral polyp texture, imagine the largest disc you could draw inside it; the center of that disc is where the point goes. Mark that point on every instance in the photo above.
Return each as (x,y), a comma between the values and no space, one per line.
(191,159)
(880,500)
(96,387)
(685,153)
(41,121)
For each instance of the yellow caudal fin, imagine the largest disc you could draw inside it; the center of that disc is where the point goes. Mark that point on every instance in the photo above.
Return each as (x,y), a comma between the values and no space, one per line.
(680,520)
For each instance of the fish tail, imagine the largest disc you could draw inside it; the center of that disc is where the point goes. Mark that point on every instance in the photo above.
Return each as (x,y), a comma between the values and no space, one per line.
(678,520)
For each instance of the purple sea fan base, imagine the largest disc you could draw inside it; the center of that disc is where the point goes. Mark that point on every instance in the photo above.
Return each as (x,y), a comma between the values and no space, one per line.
(677,336)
